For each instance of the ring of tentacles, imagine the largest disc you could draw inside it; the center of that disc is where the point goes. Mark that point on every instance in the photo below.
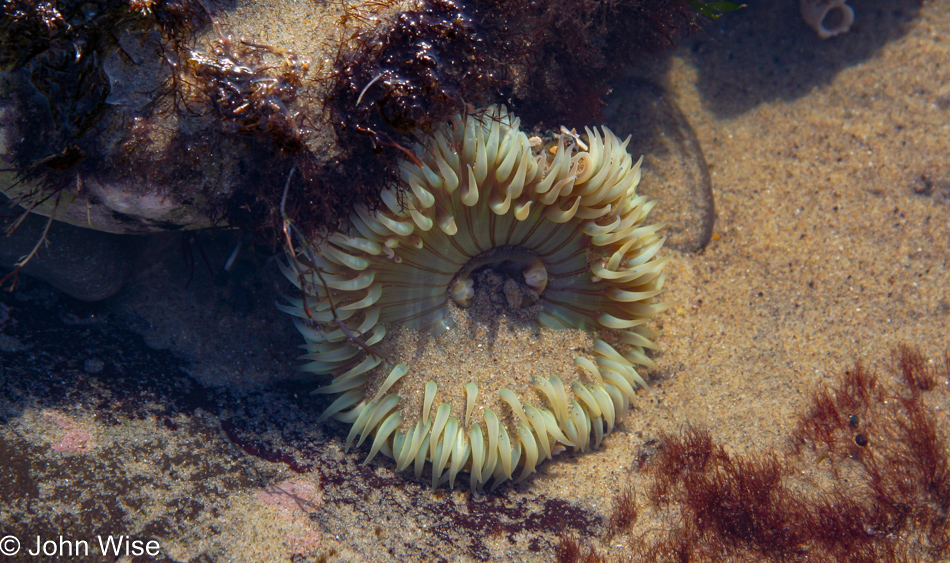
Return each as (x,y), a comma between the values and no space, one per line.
(563,216)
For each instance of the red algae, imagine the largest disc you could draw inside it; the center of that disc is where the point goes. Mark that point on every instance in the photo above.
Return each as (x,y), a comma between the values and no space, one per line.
(881,499)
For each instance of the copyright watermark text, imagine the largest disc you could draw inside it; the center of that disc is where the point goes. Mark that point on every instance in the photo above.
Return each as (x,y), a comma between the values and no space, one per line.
(60,546)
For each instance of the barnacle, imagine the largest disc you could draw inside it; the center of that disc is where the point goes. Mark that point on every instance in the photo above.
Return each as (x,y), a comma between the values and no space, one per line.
(478,192)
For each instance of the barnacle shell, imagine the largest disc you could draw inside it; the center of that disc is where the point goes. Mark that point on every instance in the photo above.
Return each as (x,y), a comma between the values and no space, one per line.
(815,13)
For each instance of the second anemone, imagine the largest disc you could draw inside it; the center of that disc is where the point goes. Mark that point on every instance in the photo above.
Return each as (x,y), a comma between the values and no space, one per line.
(562,221)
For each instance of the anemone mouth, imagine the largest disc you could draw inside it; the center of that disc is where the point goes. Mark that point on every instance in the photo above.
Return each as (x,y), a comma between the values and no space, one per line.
(564,219)
(515,263)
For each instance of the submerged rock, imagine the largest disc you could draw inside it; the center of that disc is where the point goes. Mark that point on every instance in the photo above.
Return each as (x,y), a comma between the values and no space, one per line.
(82,263)
(134,116)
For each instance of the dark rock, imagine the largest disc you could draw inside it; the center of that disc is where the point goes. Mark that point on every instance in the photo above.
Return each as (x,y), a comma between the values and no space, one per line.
(83,263)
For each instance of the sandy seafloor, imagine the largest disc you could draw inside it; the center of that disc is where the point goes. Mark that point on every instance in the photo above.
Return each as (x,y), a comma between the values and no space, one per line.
(173,411)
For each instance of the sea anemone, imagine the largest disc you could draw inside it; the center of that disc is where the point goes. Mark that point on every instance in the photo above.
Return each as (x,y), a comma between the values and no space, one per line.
(563,219)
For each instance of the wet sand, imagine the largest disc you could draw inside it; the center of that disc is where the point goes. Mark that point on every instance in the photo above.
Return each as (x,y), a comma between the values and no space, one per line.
(156,414)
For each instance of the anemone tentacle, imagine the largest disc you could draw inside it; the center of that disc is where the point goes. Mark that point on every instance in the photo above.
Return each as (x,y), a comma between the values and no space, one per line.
(477,191)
